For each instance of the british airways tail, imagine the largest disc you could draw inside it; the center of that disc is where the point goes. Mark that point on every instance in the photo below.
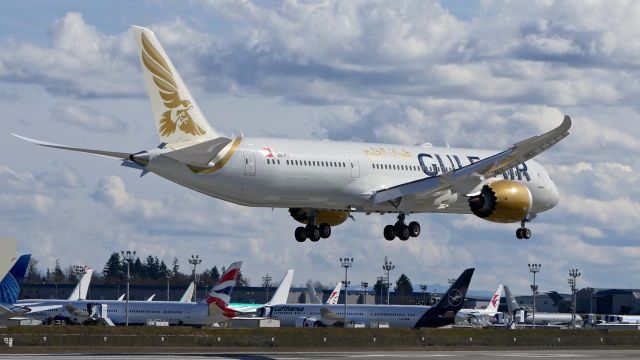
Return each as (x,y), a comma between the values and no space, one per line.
(10,284)
(444,312)
(221,293)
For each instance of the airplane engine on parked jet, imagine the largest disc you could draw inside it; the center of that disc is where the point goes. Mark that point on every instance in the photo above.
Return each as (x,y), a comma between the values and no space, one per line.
(331,217)
(502,201)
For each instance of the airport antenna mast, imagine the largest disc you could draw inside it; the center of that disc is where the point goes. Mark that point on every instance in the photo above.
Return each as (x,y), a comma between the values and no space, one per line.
(534,269)
(573,275)
(195,261)
(388,266)
(346,263)
(127,257)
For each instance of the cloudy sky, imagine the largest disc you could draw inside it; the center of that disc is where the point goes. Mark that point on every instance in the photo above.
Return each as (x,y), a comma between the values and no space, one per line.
(479,74)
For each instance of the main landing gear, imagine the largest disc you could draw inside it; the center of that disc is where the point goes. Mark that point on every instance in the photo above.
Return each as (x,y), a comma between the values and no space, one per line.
(401,230)
(523,232)
(313,232)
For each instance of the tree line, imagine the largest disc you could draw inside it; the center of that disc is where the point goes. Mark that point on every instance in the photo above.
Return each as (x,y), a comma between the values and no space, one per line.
(143,271)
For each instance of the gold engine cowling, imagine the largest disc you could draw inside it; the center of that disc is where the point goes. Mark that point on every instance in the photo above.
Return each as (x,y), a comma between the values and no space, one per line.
(502,201)
(331,217)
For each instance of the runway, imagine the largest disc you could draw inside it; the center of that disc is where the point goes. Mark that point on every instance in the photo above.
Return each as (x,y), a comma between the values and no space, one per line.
(466,355)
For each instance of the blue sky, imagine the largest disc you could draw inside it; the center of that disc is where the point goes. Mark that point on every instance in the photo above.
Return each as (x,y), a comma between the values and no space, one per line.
(483,76)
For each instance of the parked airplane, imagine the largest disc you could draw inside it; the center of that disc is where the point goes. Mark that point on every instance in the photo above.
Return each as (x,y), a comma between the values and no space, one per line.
(482,316)
(407,316)
(214,310)
(82,288)
(279,297)
(10,289)
(323,182)
(522,316)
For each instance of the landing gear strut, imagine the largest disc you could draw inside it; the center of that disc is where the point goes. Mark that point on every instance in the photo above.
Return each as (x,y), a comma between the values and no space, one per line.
(313,232)
(401,230)
(523,232)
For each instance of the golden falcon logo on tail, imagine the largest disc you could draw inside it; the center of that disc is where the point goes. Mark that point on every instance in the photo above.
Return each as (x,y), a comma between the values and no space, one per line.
(163,78)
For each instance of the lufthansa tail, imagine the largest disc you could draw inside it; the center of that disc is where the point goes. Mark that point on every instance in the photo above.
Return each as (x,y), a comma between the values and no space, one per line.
(444,312)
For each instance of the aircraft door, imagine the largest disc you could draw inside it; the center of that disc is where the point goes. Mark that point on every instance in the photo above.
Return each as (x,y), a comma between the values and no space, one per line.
(249,163)
(355,167)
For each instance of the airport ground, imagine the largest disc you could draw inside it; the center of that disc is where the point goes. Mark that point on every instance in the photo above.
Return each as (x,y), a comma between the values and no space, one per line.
(346,342)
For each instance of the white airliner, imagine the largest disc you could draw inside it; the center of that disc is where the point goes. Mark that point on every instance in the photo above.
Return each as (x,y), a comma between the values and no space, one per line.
(405,316)
(113,312)
(521,315)
(335,294)
(481,316)
(323,182)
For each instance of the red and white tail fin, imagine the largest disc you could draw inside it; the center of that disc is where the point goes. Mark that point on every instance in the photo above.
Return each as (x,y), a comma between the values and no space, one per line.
(335,294)
(221,293)
(495,299)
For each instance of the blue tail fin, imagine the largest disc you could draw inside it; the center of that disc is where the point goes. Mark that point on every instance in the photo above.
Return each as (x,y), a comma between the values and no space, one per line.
(443,313)
(10,284)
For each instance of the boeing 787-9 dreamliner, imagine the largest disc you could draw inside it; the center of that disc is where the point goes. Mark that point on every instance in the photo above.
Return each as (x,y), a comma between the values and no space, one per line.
(323,182)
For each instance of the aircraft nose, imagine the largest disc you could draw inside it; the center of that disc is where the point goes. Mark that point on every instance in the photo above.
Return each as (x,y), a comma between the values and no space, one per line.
(554,196)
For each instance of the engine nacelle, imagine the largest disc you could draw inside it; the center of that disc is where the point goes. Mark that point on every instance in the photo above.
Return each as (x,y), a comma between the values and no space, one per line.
(502,201)
(308,322)
(331,217)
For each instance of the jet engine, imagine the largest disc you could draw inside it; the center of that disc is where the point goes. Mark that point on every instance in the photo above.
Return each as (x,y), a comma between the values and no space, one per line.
(502,201)
(308,322)
(331,217)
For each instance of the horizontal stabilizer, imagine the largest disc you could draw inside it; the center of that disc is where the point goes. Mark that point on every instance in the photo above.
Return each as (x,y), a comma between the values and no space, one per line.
(200,154)
(113,154)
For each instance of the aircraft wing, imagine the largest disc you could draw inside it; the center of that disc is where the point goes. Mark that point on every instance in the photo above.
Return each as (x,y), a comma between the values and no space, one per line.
(118,155)
(465,179)
(328,317)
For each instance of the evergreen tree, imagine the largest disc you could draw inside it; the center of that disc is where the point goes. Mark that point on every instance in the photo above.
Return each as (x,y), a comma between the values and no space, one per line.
(175,266)
(151,268)
(403,285)
(215,274)
(58,275)
(381,287)
(113,267)
(241,281)
(137,268)
(164,271)
(33,275)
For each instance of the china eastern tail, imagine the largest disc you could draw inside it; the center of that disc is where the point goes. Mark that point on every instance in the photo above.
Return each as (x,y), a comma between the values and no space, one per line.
(322,183)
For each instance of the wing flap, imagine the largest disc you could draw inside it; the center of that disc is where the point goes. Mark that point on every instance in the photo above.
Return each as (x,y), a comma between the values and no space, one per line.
(463,180)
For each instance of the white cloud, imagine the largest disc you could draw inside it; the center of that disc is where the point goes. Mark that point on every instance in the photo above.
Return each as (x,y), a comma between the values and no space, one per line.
(86,118)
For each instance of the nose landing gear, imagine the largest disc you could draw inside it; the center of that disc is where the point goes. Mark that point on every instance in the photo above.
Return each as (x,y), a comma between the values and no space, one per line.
(523,232)
(401,230)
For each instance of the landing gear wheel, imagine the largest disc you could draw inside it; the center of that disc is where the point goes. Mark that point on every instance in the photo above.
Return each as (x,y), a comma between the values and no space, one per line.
(389,232)
(526,233)
(414,229)
(325,230)
(312,232)
(403,232)
(300,233)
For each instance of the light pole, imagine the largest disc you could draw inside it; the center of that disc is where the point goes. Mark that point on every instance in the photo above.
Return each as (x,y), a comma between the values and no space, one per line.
(266,283)
(168,275)
(534,269)
(365,285)
(423,288)
(127,256)
(79,270)
(346,263)
(195,261)
(381,283)
(573,275)
(388,266)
